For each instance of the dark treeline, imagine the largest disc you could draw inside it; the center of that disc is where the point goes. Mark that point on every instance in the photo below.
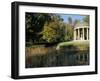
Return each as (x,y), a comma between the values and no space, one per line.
(43,28)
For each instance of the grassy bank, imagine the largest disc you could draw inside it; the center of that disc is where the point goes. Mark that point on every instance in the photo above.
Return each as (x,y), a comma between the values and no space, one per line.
(74,45)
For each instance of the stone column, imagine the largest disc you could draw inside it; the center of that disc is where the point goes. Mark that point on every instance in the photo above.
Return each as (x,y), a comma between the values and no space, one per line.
(78,33)
(87,34)
(74,34)
(83,33)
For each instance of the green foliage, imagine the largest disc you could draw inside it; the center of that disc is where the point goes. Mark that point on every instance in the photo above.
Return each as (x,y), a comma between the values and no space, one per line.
(86,19)
(72,22)
(53,31)
(43,27)
(48,28)
(69,32)
(34,25)
(70,28)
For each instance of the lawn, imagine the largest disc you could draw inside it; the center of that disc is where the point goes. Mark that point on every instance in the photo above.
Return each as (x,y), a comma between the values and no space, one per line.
(81,45)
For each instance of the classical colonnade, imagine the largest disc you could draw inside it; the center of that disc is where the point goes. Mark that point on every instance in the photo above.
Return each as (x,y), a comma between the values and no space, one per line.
(81,33)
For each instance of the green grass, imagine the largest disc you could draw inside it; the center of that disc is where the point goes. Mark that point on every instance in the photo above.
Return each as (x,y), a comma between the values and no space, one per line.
(74,44)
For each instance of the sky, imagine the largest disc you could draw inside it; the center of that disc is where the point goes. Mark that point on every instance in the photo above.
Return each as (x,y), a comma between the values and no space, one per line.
(73,16)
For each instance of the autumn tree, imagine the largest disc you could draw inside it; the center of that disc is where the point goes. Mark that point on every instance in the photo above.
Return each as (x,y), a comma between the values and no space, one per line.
(54,31)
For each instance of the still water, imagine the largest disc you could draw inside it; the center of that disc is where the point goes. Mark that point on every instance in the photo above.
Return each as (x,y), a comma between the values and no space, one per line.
(58,58)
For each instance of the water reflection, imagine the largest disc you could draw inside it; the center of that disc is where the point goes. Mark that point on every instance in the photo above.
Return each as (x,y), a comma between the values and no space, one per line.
(58,58)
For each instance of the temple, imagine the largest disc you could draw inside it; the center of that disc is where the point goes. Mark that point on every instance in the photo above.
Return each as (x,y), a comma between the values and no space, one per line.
(81,31)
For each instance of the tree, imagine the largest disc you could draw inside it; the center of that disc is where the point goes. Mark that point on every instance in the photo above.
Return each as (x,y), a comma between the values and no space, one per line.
(69,32)
(72,22)
(70,28)
(34,25)
(86,19)
(42,22)
(53,31)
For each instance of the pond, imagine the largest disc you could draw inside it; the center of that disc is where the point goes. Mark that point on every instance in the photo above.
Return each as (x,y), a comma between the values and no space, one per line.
(55,58)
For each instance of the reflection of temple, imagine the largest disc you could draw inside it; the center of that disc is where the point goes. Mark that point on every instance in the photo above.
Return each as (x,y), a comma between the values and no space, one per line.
(81,32)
